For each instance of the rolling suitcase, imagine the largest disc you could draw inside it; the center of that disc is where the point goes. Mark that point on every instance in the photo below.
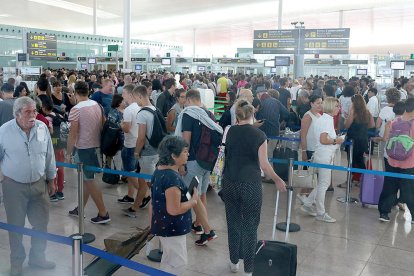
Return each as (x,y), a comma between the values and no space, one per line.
(284,153)
(371,185)
(274,257)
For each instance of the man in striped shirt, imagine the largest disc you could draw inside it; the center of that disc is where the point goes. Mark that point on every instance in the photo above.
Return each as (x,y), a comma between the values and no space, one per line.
(86,121)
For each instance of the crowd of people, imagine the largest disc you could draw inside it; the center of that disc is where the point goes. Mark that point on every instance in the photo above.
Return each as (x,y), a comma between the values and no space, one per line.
(162,122)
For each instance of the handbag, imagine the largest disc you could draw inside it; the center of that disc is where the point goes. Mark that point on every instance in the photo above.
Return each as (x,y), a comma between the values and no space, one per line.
(217,173)
(110,178)
(305,178)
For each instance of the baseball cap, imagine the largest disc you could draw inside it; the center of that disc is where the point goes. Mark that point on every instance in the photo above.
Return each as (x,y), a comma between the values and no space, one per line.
(8,88)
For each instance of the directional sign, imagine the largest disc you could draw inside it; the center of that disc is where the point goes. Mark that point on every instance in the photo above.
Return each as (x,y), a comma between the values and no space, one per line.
(355,61)
(276,34)
(326,43)
(326,33)
(41,46)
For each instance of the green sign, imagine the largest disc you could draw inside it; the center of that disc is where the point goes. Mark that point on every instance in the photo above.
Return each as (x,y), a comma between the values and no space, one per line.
(113,48)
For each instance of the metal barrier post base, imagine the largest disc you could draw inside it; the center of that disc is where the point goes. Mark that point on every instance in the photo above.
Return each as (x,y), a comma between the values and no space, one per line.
(351,200)
(155,255)
(86,237)
(293,227)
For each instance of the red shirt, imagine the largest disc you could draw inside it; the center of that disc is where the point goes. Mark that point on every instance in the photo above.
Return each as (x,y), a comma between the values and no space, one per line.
(42,118)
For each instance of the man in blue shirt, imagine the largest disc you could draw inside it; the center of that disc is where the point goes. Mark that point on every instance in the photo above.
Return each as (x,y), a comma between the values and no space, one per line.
(104,96)
(28,164)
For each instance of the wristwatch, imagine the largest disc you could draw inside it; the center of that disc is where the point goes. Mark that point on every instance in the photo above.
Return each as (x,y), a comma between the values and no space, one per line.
(334,142)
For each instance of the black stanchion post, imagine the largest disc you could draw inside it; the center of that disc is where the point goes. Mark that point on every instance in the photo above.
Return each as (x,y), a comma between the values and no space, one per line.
(282,226)
(348,198)
(86,237)
(77,256)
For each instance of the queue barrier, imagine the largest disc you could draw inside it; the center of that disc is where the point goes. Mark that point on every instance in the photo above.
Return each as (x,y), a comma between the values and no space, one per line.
(84,248)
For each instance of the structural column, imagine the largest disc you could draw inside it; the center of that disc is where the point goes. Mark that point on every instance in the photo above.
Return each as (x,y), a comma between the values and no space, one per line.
(127,35)
(95,16)
(279,18)
(341,19)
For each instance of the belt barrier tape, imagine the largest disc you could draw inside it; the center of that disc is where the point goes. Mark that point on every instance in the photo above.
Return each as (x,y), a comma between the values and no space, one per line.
(343,168)
(85,248)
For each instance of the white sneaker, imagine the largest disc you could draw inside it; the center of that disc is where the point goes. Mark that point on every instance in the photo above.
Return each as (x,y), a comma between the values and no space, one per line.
(234,267)
(301,198)
(310,210)
(325,218)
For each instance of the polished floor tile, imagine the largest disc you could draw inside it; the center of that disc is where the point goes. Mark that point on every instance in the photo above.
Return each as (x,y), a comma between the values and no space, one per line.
(357,244)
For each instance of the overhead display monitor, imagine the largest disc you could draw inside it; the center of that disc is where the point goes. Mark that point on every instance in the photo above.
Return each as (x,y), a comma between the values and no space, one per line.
(273,70)
(362,72)
(84,66)
(91,60)
(30,70)
(397,65)
(21,57)
(166,61)
(201,68)
(282,61)
(138,67)
(269,63)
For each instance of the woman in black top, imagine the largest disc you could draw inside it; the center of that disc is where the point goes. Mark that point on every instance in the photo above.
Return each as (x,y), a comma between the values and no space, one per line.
(246,154)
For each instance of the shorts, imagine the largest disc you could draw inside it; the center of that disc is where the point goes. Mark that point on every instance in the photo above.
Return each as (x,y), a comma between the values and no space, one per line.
(193,169)
(148,164)
(89,157)
(128,159)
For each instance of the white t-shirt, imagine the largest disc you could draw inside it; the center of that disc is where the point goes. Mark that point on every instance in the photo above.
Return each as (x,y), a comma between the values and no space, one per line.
(144,117)
(346,103)
(403,94)
(373,106)
(130,116)
(294,91)
(386,115)
(325,124)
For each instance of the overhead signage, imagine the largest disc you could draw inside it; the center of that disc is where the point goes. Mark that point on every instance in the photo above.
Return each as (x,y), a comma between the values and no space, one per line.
(237,60)
(181,60)
(201,60)
(113,48)
(81,58)
(41,46)
(326,33)
(158,60)
(409,62)
(138,59)
(354,61)
(312,41)
(276,34)
(322,62)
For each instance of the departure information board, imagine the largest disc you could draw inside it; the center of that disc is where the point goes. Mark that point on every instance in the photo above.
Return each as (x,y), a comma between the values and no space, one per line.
(41,46)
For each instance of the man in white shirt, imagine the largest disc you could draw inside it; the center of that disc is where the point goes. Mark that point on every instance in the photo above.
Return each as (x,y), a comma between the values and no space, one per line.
(373,105)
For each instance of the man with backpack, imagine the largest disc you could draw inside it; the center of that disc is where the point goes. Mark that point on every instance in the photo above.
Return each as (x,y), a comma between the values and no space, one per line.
(200,131)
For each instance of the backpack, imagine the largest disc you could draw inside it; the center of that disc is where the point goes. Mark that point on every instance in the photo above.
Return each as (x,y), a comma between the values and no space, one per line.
(60,131)
(159,128)
(111,138)
(400,145)
(208,147)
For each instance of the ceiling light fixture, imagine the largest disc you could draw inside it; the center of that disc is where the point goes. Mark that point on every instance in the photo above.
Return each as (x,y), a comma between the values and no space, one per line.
(76,8)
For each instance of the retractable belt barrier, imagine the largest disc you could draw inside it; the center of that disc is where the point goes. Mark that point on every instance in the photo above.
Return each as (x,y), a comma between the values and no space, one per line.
(85,248)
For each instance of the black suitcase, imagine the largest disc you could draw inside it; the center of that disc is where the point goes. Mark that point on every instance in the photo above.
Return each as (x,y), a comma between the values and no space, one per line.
(273,257)
(284,153)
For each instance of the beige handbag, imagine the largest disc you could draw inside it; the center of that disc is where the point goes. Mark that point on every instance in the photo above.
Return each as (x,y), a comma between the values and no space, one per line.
(305,178)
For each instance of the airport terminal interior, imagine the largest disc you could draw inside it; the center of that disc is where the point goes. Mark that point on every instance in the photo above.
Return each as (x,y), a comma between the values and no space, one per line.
(296,42)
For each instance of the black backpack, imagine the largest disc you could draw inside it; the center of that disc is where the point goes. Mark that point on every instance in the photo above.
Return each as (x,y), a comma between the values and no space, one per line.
(208,148)
(159,128)
(111,138)
(58,136)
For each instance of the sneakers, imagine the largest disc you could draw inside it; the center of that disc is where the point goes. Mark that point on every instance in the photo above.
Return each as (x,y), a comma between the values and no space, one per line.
(205,238)
(74,212)
(234,267)
(53,198)
(301,198)
(60,196)
(325,218)
(130,212)
(198,230)
(145,202)
(126,200)
(330,189)
(100,220)
(384,217)
(310,210)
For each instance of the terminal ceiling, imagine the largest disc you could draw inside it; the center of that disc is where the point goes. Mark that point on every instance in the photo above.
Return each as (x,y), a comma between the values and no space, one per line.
(221,26)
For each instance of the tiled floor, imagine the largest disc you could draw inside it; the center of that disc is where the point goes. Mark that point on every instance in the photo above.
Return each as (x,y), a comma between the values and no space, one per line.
(358,244)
